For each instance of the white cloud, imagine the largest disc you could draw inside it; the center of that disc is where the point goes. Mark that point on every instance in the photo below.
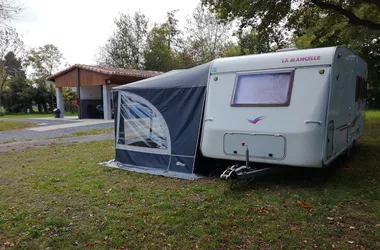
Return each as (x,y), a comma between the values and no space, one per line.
(80,27)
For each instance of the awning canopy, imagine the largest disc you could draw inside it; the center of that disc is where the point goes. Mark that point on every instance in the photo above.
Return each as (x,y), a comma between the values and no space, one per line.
(158,122)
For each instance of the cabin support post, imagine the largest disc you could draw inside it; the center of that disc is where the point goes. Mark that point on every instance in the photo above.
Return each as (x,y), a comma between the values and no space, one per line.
(60,106)
(78,92)
(107,102)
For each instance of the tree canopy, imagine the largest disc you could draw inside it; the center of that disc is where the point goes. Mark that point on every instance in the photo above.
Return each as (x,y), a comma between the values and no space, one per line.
(272,19)
(124,48)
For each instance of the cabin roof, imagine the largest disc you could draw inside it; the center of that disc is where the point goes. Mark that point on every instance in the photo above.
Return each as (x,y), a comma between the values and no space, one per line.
(111,71)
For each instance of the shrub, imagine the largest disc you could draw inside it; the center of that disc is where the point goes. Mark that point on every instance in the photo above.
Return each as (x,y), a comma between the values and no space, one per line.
(2,111)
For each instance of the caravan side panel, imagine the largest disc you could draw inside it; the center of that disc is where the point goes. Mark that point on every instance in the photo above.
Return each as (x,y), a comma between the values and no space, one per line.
(346,114)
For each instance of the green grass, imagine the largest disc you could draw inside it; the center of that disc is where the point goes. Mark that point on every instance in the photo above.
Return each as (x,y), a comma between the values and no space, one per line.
(59,198)
(94,132)
(33,115)
(98,131)
(373,113)
(12,125)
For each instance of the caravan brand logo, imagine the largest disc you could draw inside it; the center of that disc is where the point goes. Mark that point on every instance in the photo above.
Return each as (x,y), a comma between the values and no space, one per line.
(256,120)
(301,59)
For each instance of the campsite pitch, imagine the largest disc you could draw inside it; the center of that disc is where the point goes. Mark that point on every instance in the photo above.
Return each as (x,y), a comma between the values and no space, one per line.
(60,197)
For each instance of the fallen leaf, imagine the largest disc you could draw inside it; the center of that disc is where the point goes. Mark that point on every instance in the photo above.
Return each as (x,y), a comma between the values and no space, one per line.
(352,227)
(9,244)
(294,229)
(330,218)
(207,238)
(92,245)
(351,242)
(304,204)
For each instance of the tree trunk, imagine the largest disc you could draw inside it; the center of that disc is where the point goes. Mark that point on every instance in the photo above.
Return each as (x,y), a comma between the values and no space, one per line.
(51,103)
(45,107)
(39,107)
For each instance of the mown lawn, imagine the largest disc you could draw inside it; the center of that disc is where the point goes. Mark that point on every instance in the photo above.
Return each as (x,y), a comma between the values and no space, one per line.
(59,198)
(33,115)
(12,125)
(97,131)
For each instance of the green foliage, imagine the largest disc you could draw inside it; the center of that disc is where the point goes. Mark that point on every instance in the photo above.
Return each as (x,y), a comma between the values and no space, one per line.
(163,46)
(69,97)
(158,55)
(124,48)
(266,17)
(206,36)
(271,17)
(2,111)
(44,60)
(248,43)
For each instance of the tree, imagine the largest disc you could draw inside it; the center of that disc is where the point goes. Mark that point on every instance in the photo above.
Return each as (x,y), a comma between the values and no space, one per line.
(207,37)
(158,54)
(174,39)
(10,42)
(270,18)
(248,43)
(124,48)
(164,47)
(44,60)
(9,9)
(313,23)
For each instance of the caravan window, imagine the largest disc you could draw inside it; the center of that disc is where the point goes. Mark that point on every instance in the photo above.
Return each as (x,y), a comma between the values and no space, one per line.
(263,89)
(361,88)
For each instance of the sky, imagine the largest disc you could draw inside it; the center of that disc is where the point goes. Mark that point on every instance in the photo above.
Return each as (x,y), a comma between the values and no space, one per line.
(80,27)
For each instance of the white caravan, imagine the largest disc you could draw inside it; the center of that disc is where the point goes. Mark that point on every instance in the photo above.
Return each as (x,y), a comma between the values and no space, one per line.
(299,107)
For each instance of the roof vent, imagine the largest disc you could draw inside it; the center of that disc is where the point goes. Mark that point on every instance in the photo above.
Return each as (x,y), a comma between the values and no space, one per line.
(286,49)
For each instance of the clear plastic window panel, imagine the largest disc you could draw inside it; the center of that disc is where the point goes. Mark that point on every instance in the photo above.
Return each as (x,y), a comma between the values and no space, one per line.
(262,89)
(140,126)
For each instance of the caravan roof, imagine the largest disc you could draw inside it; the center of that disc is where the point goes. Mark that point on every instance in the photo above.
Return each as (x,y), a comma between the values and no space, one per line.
(275,60)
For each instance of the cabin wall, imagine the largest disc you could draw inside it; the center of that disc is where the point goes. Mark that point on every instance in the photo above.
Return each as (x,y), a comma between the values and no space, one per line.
(89,78)
(66,80)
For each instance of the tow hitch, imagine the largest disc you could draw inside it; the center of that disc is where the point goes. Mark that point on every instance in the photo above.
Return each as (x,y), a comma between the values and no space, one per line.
(245,172)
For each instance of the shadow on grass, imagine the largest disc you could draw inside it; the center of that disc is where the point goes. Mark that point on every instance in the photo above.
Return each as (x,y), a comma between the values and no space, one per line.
(349,173)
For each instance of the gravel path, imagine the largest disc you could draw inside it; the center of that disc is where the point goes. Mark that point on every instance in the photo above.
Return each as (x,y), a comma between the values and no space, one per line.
(27,135)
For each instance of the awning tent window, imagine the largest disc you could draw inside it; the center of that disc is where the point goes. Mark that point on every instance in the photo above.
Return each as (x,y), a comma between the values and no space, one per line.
(263,89)
(141,126)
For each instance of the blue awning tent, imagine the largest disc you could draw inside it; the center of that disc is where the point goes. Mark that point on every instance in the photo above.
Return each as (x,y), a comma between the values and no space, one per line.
(158,122)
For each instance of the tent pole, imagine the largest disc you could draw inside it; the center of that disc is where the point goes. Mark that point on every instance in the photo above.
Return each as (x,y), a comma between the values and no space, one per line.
(151,123)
